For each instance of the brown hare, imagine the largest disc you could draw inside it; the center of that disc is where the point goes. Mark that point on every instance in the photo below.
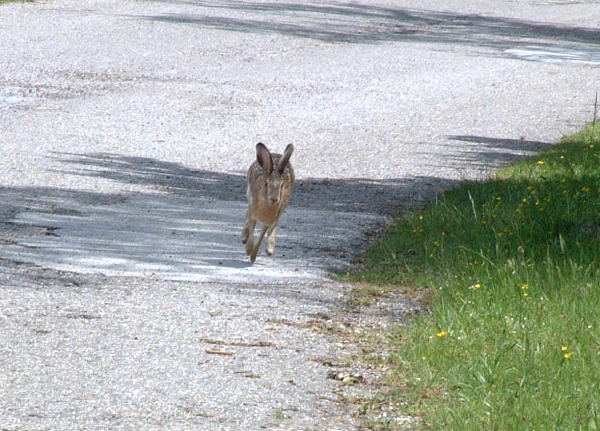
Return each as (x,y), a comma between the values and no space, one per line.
(270,185)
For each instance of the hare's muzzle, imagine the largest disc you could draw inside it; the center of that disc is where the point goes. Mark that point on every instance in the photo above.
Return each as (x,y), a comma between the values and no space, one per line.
(274,190)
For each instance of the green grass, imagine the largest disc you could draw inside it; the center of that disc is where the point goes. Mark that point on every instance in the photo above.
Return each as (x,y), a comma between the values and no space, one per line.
(512,340)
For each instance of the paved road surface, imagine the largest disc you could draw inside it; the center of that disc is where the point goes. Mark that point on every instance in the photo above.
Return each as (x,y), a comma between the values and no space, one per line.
(126,128)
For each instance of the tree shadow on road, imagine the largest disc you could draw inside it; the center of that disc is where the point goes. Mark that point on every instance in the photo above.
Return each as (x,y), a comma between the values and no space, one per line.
(490,153)
(382,197)
(186,224)
(357,23)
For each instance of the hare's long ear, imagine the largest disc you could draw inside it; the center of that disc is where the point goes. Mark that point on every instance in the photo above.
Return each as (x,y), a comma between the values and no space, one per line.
(285,158)
(263,156)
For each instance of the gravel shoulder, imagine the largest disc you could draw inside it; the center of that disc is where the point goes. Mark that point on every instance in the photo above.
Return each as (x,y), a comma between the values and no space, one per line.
(126,128)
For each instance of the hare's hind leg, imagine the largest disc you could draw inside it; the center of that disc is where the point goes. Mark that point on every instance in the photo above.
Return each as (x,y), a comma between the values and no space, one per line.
(257,246)
(272,234)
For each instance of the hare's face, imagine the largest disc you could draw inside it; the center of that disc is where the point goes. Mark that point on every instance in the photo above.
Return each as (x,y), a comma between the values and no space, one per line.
(274,188)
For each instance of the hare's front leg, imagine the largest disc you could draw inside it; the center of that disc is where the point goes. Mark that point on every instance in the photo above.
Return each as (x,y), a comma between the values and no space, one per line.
(248,235)
(257,246)
(246,229)
(272,234)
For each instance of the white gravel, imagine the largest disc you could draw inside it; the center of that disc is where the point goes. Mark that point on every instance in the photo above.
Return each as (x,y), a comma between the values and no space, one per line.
(126,128)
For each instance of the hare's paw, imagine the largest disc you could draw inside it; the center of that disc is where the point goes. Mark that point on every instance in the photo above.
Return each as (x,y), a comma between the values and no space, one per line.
(271,245)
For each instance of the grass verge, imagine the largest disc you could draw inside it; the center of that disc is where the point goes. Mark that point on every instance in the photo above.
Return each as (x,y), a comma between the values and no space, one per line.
(512,340)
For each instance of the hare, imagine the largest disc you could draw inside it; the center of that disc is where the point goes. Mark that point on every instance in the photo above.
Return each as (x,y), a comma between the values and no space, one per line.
(270,185)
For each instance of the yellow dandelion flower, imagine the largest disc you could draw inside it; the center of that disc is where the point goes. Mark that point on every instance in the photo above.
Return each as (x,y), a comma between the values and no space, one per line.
(525,286)
(478,286)
(541,162)
(442,334)
(437,244)
(568,355)
(424,358)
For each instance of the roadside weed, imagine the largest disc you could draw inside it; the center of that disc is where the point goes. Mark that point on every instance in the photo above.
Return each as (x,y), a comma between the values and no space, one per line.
(513,338)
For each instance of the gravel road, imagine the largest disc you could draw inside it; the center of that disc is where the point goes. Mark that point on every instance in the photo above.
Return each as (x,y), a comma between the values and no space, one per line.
(126,128)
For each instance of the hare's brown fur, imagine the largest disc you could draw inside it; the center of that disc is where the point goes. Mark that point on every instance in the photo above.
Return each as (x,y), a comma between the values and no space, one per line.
(270,185)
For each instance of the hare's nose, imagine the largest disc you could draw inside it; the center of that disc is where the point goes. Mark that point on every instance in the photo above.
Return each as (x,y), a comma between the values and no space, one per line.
(273,199)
